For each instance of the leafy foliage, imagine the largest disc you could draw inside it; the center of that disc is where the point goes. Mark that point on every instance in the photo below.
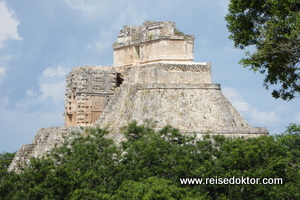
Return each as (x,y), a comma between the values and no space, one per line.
(272,29)
(149,165)
(5,160)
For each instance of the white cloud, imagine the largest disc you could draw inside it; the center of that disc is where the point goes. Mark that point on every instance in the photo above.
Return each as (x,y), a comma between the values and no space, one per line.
(8,23)
(231,93)
(81,6)
(31,93)
(116,13)
(2,73)
(241,105)
(54,72)
(50,92)
(42,107)
(55,91)
(235,98)
(100,9)
(263,117)
(99,45)
(252,114)
(119,12)
(107,37)
(52,84)
(131,14)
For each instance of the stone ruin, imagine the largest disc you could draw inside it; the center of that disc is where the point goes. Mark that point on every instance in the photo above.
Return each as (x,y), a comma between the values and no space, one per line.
(153,78)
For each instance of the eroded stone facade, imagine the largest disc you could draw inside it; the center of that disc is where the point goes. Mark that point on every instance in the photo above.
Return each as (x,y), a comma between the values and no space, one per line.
(88,90)
(153,78)
(152,42)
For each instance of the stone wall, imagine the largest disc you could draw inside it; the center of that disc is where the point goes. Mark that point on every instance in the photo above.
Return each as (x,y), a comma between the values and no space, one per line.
(88,90)
(152,42)
(135,34)
(185,99)
(180,73)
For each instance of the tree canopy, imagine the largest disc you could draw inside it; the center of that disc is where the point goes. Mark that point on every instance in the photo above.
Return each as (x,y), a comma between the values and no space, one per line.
(271,30)
(150,164)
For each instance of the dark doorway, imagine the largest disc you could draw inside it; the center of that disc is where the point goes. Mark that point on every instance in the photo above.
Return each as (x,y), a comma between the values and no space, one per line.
(120,79)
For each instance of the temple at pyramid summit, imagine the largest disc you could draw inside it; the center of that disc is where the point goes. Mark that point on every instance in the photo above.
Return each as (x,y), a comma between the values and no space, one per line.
(153,78)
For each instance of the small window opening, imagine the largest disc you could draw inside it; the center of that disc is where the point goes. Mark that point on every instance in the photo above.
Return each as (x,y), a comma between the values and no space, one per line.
(119,79)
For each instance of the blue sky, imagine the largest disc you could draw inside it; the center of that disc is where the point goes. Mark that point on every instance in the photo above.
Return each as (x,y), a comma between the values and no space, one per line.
(41,41)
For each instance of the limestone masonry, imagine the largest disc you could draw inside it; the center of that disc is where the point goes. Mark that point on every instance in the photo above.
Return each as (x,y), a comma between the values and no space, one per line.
(153,78)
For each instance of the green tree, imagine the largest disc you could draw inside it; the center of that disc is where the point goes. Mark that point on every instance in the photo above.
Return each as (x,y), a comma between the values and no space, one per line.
(271,29)
(7,179)
(262,157)
(155,188)
(5,160)
(150,163)
(84,165)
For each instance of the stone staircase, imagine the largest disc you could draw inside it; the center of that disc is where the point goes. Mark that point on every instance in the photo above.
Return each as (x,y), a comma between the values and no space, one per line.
(44,141)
